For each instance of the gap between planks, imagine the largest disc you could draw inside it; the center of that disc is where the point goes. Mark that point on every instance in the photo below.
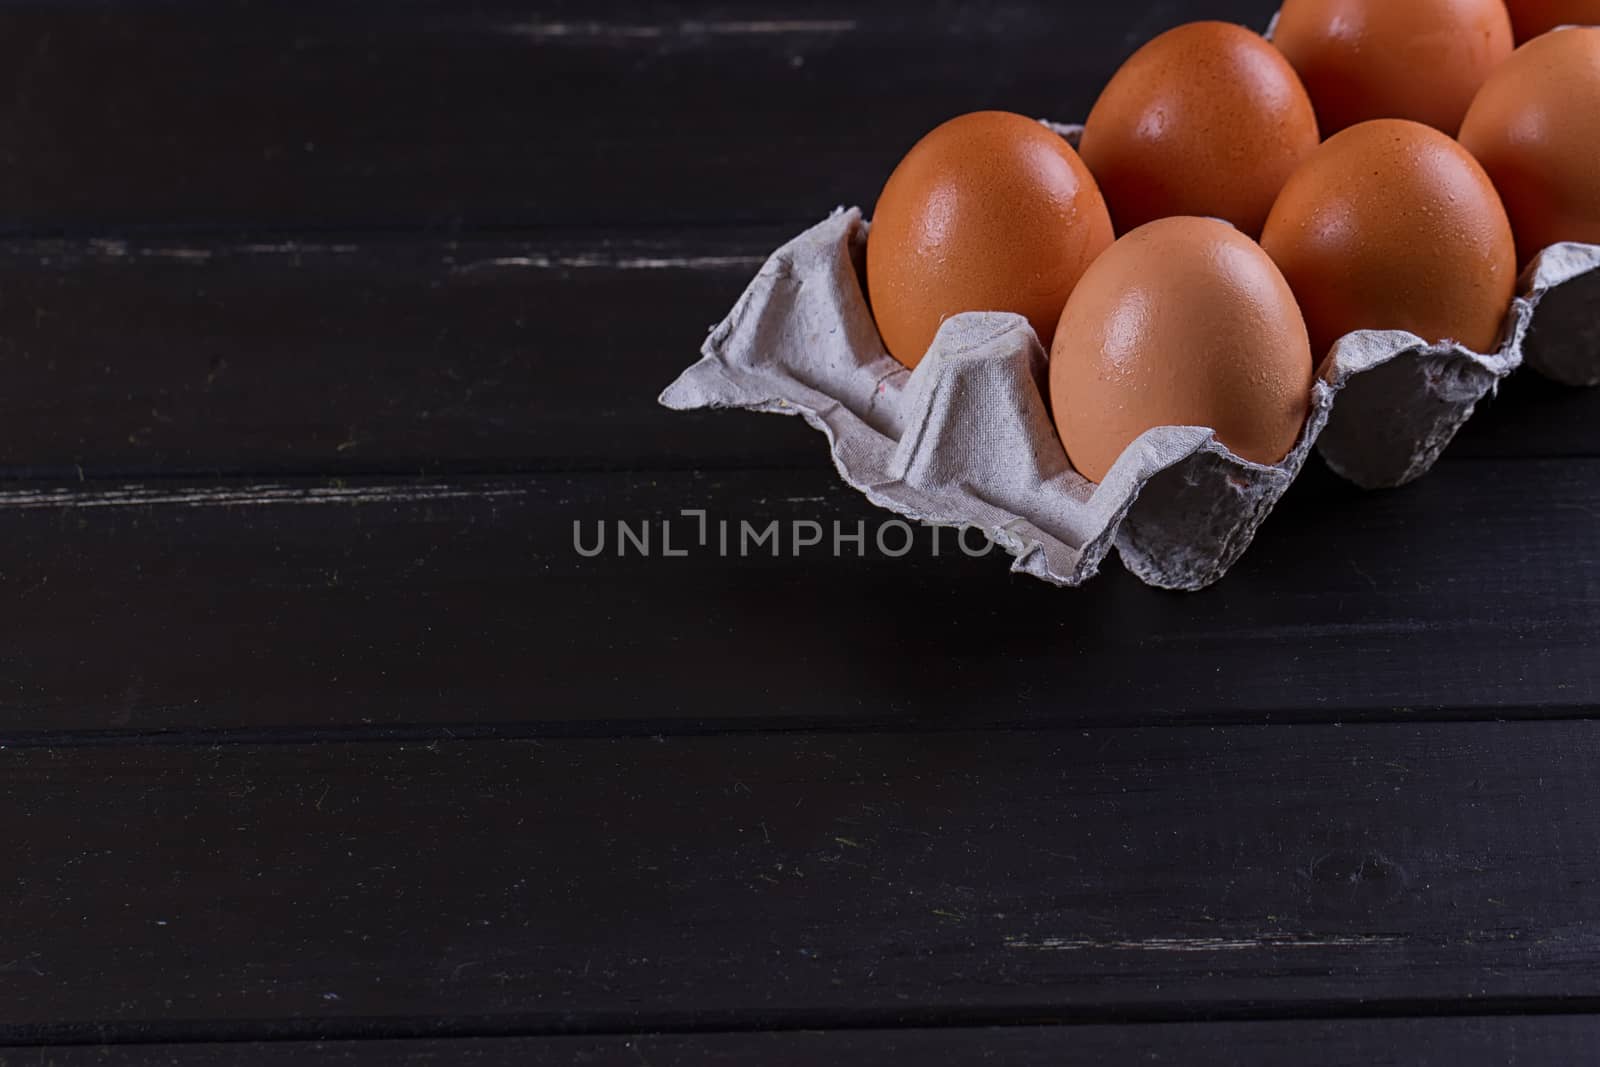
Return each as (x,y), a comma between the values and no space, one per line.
(731,1023)
(55,253)
(687,29)
(134,496)
(665,730)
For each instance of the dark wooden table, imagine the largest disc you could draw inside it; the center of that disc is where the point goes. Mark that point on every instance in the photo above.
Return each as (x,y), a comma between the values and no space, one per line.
(323,324)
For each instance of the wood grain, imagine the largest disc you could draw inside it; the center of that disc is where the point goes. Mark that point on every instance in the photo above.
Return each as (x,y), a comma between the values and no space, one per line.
(1454,1042)
(795,880)
(437,114)
(352,354)
(270,356)
(332,328)
(428,605)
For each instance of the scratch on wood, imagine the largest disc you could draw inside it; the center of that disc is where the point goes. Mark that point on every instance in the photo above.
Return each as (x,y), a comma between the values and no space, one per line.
(191,255)
(592,261)
(24,965)
(294,248)
(112,249)
(545,31)
(1202,944)
(243,496)
(61,253)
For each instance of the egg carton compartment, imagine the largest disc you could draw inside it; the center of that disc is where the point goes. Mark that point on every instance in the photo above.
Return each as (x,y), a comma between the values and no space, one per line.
(1563,342)
(1405,400)
(967,440)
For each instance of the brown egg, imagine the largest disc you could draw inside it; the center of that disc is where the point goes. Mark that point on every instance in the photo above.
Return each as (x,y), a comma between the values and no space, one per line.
(1207,119)
(989,212)
(1393,59)
(1535,127)
(1183,322)
(1391,225)
(1530,18)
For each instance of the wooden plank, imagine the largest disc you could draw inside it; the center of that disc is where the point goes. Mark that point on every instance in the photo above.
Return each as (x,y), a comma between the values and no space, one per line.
(1531,416)
(388,604)
(1466,1042)
(358,354)
(798,880)
(335,355)
(434,113)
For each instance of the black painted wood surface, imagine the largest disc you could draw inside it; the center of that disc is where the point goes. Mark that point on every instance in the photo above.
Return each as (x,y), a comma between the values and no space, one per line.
(348,353)
(779,880)
(323,325)
(1465,1042)
(218,607)
(316,114)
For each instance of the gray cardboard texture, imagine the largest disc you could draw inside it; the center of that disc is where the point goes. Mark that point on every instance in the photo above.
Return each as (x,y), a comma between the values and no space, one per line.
(966,439)
(1564,342)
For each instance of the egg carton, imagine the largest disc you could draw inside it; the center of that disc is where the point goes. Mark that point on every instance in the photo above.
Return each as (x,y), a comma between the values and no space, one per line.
(966,439)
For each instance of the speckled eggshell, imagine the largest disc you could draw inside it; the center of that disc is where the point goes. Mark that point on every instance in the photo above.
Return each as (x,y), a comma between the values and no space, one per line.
(1393,59)
(1535,127)
(989,212)
(1207,119)
(1391,225)
(1530,18)
(1183,322)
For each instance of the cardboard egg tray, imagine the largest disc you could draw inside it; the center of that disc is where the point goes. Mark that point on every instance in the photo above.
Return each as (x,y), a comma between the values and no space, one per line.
(967,439)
